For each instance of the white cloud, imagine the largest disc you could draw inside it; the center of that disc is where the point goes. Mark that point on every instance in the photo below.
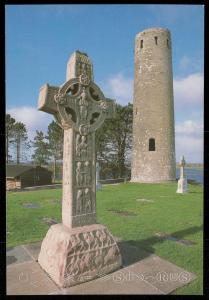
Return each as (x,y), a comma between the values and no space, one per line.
(189,127)
(31,117)
(189,90)
(189,140)
(190,147)
(120,88)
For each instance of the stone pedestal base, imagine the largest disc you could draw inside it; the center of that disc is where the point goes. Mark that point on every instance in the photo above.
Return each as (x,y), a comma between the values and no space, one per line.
(73,256)
(182,186)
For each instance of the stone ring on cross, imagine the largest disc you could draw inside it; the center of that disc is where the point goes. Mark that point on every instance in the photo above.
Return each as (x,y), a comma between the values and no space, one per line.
(78,104)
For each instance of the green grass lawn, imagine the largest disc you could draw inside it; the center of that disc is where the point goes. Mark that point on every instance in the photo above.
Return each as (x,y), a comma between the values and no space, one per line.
(176,214)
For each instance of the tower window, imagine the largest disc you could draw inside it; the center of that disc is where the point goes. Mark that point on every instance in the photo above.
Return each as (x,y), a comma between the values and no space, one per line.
(155,40)
(151,144)
(168,44)
(136,111)
(141,44)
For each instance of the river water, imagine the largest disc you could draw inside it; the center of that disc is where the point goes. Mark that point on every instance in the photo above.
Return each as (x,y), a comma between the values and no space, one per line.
(192,174)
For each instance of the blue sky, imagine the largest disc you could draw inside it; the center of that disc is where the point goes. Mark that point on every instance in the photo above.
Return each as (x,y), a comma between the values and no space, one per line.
(41,38)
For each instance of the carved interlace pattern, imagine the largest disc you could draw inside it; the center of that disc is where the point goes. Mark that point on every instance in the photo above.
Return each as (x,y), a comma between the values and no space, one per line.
(90,251)
(84,79)
(60,99)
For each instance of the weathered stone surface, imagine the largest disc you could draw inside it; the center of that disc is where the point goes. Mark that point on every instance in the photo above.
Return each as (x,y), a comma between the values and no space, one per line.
(73,256)
(16,255)
(118,283)
(33,249)
(142,273)
(162,274)
(73,252)
(153,156)
(28,278)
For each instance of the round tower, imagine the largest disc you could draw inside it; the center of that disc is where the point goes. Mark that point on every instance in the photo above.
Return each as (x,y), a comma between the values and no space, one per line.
(153,157)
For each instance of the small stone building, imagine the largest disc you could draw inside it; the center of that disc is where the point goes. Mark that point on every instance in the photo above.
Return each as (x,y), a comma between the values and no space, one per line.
(20,176)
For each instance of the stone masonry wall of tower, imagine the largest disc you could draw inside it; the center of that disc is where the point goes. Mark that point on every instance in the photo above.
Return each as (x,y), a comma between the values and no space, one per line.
(153,157)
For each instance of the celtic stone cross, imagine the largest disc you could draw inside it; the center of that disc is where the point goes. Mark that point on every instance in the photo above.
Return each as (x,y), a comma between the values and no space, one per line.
(182,165)
(79,107)
(182,182)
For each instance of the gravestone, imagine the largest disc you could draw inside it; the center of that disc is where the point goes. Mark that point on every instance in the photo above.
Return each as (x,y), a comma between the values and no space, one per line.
(98,184)
(31,205)
(79,249)
(182,182)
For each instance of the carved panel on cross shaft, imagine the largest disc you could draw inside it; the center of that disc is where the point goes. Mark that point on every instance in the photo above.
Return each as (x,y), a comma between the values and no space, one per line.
(79,202)
(79,174)
(85,75)
(83,173)
(84,201)
(87,173)
(83,105)
(82,146)
(87,197)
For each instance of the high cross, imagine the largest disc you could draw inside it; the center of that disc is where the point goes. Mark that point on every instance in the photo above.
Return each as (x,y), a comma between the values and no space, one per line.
(80,108)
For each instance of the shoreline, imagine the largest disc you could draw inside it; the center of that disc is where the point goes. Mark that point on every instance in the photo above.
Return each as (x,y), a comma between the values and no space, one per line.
(189,167)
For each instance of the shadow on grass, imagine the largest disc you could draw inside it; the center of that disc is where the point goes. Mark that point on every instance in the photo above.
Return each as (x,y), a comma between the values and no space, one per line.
(195,192)
(134,251)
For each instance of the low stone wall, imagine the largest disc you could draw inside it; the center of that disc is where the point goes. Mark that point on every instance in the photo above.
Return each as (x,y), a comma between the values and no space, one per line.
(32,188)
(43,187)
(113,181)
(17,187)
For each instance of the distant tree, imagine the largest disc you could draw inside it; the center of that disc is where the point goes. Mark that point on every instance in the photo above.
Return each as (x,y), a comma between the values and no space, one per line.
(55,139)
(41,154)
(9,134)
(20,140)
(114,141)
